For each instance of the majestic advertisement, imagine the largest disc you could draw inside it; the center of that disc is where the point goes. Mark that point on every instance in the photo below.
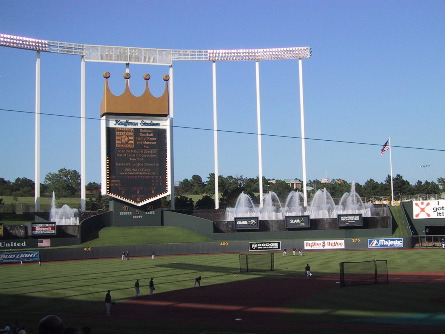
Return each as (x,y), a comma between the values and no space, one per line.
(350,220)
(43,228)
(247,223)
(385,243)
(324,244)
(429,209)
(137,159)
(264,246)
(297,222)
(23,256)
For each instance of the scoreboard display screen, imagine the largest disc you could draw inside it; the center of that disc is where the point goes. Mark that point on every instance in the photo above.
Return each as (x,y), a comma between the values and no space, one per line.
(247,223)
(136,163)
(350,220)
(297,222)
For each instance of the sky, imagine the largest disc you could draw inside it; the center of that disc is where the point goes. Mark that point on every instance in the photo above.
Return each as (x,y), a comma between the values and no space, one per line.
(377,71)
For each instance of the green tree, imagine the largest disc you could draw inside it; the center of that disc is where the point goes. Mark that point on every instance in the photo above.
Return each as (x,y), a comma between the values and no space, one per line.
(206,202)
(92,187)
(371,188)
(401,186)
(184,204)
(252,185)
(97,202)
(22,187)
(281,188)
(337,187)
(64,183)
(184,187)
(5,187)
(426,187)
(197,185)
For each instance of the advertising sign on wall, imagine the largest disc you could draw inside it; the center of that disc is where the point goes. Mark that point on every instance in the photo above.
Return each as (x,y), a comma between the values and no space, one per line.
(264,246)
(43,228)
(24,256)
(429,209)
(385,243)
(324,244)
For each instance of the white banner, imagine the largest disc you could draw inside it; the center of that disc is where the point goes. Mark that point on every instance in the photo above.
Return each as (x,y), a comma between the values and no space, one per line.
(428,209)
(324,244)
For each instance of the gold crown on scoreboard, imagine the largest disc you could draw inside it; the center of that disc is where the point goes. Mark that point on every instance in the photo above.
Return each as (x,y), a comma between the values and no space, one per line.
(128,104)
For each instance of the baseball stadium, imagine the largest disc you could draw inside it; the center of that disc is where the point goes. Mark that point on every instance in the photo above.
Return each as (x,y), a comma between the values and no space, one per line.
(278,266)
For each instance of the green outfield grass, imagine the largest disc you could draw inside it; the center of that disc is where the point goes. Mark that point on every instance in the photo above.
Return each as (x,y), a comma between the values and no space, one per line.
(75,289)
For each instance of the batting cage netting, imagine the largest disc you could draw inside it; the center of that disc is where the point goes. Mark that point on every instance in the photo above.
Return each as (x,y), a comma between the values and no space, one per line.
(256,262)
(364,272)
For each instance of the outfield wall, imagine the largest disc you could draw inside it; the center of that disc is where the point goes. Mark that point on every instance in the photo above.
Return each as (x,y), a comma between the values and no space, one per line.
(228,247)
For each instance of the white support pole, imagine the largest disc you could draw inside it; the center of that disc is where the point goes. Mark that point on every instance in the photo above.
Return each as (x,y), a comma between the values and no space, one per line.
(260,148)
(171,157)
(390,170)
(37,138)
(127,70)
(303,135)
(103,154)
(215,136)
(82,137)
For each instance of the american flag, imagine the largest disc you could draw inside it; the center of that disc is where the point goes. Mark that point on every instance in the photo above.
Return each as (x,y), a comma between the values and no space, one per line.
(385,147)
(44,243)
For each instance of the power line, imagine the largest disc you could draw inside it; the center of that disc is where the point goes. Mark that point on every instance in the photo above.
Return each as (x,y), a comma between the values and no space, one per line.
(246,133)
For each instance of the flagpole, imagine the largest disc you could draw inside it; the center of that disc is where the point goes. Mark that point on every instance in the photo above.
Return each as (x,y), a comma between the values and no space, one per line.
(390,169)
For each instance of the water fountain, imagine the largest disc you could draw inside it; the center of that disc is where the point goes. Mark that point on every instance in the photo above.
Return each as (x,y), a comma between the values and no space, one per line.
(271,209)
(294,204)
(321,206)
(63,216)
(244,207)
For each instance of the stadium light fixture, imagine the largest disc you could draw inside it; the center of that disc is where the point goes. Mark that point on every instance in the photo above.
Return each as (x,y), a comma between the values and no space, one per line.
(23,42)
(116,54)
(260,54)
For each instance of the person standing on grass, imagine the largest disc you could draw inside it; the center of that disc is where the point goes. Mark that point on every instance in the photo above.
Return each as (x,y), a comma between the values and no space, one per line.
(108,302)
(151,285)
(308,271)
(136,287)
(197,281)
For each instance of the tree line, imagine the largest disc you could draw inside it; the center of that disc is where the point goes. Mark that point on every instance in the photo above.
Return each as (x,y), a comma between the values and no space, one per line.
(230,187)
(66,183)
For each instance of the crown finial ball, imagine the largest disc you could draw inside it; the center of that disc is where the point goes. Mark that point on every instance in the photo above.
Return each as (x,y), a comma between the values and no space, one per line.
(106,75)
(147,76)
(166,77)
(127,75)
